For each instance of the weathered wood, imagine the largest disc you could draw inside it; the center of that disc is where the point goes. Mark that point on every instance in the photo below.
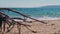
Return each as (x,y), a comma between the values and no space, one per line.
(22,14)
(15,22)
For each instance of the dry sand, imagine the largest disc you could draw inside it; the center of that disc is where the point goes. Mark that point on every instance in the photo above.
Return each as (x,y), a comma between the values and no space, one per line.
(49,28)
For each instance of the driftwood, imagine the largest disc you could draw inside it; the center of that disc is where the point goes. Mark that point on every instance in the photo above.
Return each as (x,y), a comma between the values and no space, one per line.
(15,22)
(21,14)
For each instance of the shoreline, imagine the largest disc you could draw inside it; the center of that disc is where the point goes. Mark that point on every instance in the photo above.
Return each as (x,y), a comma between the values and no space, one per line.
(41,19)
(48,18)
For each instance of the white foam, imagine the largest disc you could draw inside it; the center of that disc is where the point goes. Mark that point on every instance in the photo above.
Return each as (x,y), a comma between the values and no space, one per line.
(49,18)
(43,18)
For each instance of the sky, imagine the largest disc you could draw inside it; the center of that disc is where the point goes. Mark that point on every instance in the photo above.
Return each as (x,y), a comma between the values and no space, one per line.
(27,3)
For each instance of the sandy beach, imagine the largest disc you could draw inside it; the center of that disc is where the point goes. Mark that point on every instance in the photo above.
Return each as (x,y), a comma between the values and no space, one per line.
(52,26)
(50,15)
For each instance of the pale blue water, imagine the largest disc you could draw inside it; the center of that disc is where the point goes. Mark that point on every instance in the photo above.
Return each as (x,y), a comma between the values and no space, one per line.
(50,11)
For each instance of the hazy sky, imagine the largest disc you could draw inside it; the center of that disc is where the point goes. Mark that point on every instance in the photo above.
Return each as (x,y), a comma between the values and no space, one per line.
(28,3)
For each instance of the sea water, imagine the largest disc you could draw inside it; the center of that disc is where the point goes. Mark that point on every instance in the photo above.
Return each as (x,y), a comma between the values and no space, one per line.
(42,13)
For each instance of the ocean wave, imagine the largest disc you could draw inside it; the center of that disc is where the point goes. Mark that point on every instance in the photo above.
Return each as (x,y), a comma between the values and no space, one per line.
(49,18)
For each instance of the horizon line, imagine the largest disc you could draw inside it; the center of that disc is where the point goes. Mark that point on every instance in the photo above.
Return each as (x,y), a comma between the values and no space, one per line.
(24,7)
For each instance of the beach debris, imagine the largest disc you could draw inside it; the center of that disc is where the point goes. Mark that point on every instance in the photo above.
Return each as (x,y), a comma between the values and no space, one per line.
(22,14)
(11,22)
